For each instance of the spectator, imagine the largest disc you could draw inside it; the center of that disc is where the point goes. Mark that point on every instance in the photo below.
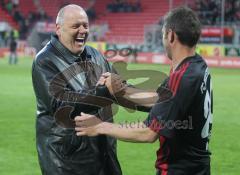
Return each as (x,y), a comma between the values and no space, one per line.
(15,3)
(2,3)
(13,51)
(18,16)
(1,40)
(124,6)
(209,12)
(9,7)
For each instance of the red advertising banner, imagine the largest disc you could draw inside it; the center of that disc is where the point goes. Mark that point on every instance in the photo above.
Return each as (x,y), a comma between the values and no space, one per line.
(214,35)
(151,58)
(216,31)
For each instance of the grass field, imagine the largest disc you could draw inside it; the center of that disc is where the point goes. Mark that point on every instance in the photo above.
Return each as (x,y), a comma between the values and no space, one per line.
(17,125)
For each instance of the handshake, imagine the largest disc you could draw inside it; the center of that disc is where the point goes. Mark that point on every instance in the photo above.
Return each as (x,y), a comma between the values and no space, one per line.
(114,83)
(109,85)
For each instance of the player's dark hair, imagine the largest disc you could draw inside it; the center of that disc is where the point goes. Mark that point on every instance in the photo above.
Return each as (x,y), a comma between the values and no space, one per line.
(184,22)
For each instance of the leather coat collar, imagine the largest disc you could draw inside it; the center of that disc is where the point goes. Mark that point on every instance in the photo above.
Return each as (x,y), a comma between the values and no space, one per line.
(67,53)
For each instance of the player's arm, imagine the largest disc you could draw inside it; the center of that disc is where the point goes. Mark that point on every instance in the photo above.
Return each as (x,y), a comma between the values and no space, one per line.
(137,132)
(140,97)
(128,96)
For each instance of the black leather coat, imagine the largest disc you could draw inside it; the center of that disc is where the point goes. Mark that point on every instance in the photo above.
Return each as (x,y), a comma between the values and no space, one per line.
(64,84)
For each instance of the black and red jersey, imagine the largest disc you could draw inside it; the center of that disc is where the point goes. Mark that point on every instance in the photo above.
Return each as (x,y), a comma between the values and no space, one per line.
(184,120)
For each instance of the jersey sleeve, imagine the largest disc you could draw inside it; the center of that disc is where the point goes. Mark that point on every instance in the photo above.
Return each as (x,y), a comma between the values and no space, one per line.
(167,116)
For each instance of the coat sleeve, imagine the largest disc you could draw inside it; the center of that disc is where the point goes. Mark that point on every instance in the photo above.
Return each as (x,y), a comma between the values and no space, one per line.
(52,95)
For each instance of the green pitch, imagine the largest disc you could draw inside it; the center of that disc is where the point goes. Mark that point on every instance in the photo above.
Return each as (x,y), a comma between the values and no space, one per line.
(17,124)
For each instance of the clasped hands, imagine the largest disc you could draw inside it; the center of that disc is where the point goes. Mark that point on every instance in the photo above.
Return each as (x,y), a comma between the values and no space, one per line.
(89,125)
(113,82)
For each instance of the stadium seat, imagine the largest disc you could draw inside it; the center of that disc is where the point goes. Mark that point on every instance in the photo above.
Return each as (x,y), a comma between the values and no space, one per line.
(4,16)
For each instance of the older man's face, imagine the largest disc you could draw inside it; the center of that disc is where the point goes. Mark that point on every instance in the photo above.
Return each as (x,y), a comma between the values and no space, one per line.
(74,30)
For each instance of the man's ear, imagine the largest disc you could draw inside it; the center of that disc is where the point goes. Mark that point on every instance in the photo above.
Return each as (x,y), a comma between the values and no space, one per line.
(58,30)
(172,37)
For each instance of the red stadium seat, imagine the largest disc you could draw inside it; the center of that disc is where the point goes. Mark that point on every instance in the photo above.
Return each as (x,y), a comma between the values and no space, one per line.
(4,16)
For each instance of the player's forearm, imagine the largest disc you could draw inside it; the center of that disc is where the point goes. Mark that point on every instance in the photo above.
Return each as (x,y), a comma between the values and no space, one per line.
(136,97)
(130,133)
(140,97)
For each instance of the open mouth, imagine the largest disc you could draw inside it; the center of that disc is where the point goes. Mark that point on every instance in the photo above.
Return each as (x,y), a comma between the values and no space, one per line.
(80,40)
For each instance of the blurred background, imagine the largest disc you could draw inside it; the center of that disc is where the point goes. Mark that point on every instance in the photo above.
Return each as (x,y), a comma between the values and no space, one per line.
(123,30)
(117,24)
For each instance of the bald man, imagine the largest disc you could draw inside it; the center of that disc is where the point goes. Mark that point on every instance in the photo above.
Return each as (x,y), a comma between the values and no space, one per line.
(64,75)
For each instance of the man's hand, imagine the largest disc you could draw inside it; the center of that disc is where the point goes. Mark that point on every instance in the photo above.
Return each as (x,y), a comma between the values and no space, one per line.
(101,81)
(87,125)
(114,84)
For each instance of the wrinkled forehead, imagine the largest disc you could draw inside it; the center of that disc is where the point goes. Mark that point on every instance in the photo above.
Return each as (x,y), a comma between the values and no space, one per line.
(73,15)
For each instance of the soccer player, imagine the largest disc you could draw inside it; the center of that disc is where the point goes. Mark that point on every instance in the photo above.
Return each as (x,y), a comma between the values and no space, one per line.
(182,122)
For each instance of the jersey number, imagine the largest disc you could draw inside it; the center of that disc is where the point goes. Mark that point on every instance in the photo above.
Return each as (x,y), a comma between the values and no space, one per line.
(206,131)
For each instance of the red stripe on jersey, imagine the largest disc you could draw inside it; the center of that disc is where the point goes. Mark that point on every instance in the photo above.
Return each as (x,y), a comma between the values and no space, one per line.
(164,172)
(155,126)
(176,77)
(180,74)
(162,164)
(170,80)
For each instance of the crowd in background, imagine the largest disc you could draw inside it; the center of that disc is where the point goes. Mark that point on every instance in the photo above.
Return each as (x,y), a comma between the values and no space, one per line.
(7,36)
(24,22)
(209,11)
(124,6)
(90,9)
